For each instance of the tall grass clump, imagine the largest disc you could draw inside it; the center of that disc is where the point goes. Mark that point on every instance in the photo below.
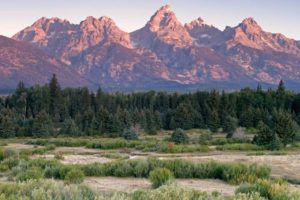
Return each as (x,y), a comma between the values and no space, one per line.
(270,189)
(239,147)
(234,173)
(74,176)
(66,142)
(174,191)
(45,189)
(160,176)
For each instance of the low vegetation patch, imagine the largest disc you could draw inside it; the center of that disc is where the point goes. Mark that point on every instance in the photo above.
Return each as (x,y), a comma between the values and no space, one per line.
(45,189)
(240,147)
(234,173)
(179,137)
(74,176)
(269,189)
(118,143)
(160,176)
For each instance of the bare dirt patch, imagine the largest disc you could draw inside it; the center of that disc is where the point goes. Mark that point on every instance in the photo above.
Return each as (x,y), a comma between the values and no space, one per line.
(114,184)
(78,150)
(18,146)
(286,166)
(76,159)
(84,159)
(209,186)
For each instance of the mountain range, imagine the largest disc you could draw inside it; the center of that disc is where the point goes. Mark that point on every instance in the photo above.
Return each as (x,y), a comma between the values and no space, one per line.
(163,55)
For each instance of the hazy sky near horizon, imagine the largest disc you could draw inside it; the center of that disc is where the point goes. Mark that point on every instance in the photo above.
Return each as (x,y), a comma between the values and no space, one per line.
(281,16)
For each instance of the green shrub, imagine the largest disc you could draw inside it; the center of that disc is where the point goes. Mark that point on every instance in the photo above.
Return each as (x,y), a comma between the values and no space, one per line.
(204,137)
(174,192)
(172,148)
(151,131)
(59,156)
(122,169)
(179,137)
(240,147)
(297,137)
(1,154)
(130,134)
(31,173)
(250,196)
(170,192)
(142,168)
(50,189)
(66,142)
(46,190)
(270,189)
(7,153)
(50,147)
(236,173)
(69,127)
(109,144)
(160,176)
(8,164)
(95,169)
(74,176)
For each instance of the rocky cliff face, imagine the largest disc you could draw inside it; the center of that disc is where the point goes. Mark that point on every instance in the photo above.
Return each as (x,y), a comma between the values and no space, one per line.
(204,35)
(167,53)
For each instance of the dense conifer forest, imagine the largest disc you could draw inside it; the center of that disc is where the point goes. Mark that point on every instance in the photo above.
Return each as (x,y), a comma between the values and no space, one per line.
(49,110)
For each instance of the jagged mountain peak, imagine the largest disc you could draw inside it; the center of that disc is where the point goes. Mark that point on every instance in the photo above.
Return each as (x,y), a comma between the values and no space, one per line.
(43,28)
(195,23)
(103,19)
(166,50)
(166,8)
(93,24)
(249,25)
(249,20)
(103,29)
(203,34)
(249,33)
(163,27)
(45,20)
(163,18)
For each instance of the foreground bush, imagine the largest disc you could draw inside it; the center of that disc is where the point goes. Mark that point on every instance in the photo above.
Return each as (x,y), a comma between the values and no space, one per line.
(31,173)
(50,189)
(179,137)
(269,189)
(118,143)
(240,147)
(160,176)
(234,173)
(130,134)
(174,192)
(45,190)
(8,164)
(74,176)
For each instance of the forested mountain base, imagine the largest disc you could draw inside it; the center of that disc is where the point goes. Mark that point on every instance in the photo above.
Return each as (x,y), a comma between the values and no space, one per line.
(48,110)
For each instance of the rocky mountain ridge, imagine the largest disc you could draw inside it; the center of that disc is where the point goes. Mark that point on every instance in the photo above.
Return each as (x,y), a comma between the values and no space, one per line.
(166,53)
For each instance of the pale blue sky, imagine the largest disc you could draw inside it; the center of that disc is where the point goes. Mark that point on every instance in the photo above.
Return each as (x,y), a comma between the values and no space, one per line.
(273,15)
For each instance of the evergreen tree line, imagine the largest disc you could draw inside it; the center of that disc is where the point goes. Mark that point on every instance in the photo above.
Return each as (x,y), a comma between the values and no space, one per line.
(50,110)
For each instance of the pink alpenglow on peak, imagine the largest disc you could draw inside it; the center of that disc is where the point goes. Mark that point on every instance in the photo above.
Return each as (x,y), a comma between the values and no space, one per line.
(167,54)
